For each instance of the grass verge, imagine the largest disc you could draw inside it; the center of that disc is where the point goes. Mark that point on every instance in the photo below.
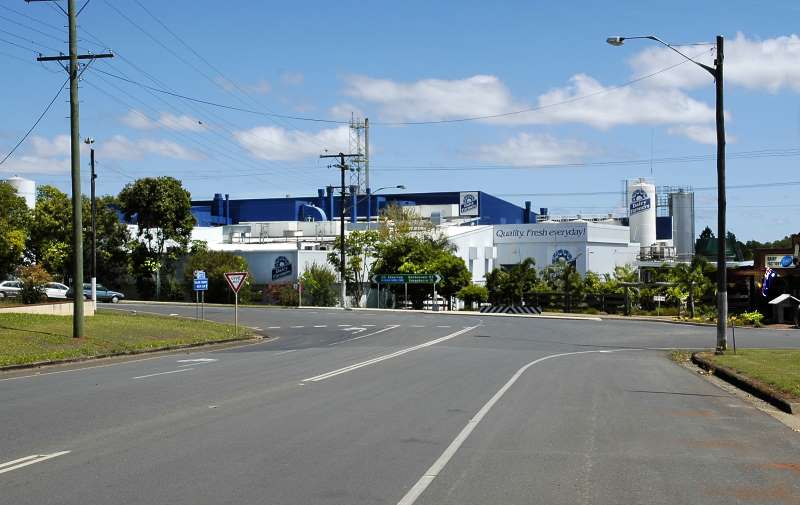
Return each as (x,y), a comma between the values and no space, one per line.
(778,368)
(28,338)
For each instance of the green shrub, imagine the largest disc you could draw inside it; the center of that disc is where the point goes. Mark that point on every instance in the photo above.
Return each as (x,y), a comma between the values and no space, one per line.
(754,317)
(319,286)
(287,295)
(473,294)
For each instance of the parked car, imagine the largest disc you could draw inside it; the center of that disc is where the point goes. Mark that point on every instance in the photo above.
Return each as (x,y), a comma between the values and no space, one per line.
(10,289)
(56,290)
(103,294)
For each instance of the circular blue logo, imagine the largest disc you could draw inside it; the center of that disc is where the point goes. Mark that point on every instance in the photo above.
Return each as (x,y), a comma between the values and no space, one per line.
(786,261)
(562,255)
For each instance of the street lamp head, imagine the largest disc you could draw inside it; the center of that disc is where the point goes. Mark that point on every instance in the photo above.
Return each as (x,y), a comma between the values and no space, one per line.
(615,41)
(89,140)
(400,186)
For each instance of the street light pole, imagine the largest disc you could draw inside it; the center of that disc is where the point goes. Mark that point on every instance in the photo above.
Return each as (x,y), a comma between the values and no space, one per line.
(90,141)
(722,273)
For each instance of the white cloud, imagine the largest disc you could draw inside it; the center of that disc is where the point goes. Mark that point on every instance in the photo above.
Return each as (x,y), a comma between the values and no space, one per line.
(46,148)
(485,95)
(769,64)
(344,111)
(700,134)
(119,147)
(533,149)
(27,164)
(140,121)
(292,78)
(433,99)
(273,143)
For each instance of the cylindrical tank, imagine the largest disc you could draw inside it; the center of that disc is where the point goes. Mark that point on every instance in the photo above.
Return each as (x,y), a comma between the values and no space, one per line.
(642,212)
(681,208)
(26,188)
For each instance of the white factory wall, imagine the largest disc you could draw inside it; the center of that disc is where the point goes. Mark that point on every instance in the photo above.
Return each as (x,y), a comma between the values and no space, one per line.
(474,245)
(280,266)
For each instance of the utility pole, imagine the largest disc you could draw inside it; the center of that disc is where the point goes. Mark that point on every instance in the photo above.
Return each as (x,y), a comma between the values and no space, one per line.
(722,266)
(75,72)
(366,155)
(90,141)
(342,265)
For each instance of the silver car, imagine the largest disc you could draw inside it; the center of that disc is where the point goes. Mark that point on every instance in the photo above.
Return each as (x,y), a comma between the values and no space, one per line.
(10,289)
(56,290)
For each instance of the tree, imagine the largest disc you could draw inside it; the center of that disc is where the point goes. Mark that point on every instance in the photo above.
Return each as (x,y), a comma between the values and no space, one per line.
(33,278)
(162,210)
(113,242)
(473,294)
(50,240)
(692,280)
(513,286)
(14,223)
(359,250)
(318,286)
(215,264)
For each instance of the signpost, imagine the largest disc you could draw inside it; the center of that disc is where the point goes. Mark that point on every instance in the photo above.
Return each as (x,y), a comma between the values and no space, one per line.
(235,281)
(200,288)
(659,299)
(407,279)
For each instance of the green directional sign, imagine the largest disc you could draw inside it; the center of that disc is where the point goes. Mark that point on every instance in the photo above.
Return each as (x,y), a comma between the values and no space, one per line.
(406,278)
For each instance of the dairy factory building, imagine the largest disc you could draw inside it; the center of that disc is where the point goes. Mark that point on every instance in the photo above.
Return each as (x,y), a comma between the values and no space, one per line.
(589,247)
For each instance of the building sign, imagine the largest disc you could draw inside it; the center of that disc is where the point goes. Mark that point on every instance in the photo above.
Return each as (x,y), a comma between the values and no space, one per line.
(779,261)
(561,255)
(283,268)
(640,201)
(468,204)
(540,232)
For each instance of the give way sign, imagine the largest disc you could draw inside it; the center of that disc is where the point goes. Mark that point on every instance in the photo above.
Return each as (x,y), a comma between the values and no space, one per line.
(235,280)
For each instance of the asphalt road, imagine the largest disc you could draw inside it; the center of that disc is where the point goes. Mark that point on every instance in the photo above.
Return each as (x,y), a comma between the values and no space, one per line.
(364,407)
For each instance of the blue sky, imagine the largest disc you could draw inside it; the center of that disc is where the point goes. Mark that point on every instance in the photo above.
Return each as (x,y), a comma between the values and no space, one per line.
(419,61)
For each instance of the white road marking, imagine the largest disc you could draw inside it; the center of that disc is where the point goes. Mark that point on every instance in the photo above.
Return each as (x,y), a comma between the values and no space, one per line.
(174,314)
(355,329)
(320,326)
(342,325)
(273,327)
(372,361)
(255,328)
(442,326)
(29,460)
(427,478)
(367,335)
(301,326)
(197,360)
(417,325)
(163,373)
(369,325)
(285,352)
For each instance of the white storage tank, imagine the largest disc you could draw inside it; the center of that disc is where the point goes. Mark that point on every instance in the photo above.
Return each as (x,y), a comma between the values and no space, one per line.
(26,188)
(681,208)
(642,212)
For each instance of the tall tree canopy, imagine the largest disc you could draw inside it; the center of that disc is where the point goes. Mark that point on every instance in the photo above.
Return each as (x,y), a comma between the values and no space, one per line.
(14,222)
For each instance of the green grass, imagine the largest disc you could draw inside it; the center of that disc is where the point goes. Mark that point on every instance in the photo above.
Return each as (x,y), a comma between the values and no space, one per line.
(27,338)
(780,368)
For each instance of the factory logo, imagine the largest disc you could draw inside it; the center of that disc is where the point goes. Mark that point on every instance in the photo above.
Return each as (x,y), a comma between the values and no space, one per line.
(562,255)
(640,202)
(468,204)
(283,268)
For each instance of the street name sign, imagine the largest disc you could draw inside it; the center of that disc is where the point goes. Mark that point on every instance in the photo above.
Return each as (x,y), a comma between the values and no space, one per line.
(235,280)
(201,284)
(406,278)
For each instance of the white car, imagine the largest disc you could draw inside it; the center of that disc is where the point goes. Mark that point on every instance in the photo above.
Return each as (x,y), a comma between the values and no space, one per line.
(55,290)
(10,289)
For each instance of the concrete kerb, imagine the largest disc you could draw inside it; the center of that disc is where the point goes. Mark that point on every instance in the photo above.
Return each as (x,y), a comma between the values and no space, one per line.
(755,388)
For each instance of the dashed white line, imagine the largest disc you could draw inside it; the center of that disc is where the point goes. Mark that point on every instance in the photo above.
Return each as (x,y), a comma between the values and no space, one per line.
(428,477)
(369,325)
(29,460)
(320,326)
(163,373)
(273,327)
(417,325)
(343,325)
(365,336)
(372,361)
(301,326)
(197,360)
(443,326)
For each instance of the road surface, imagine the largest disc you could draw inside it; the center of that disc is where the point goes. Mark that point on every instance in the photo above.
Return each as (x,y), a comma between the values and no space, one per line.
(365,407)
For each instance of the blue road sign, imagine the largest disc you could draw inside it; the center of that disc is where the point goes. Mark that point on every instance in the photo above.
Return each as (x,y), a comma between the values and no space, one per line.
(201,284)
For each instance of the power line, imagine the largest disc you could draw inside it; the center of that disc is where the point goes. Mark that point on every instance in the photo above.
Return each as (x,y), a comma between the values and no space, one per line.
(36,123)
(32,18)
(29,27)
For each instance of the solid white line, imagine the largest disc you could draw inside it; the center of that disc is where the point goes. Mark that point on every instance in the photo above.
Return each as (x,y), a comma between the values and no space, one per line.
(438,465)
(20,460)
(372,361)
(80,369)
(30,460)
(163,373)
(285,352)
(367,335)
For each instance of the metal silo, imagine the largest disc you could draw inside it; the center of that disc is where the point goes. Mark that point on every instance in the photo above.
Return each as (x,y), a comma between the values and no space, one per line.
(681,208)
(26,188)
(641,203)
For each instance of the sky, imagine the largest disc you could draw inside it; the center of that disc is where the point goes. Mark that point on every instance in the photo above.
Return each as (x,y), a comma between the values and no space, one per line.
(594,114)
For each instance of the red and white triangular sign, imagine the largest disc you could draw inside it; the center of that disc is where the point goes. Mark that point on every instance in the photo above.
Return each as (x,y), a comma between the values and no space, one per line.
(235,280)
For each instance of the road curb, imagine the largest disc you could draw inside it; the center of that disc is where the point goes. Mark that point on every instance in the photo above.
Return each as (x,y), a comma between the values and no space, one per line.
(40,364)
(755,388)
